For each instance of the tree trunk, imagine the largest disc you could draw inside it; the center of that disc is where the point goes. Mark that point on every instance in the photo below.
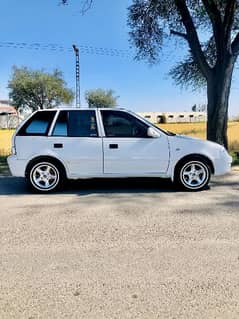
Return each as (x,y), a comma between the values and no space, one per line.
(218,91)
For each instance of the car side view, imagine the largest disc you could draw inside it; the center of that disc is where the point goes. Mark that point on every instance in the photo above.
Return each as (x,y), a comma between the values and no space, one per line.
(58,144)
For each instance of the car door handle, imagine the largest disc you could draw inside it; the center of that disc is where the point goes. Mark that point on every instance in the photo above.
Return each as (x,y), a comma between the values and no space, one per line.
(58,145)
(113,146)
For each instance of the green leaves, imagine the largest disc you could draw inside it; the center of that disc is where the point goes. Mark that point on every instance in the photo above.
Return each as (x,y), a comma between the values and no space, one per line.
(37,89)
(187,74)
(146,32)
(101,98)
(212,22)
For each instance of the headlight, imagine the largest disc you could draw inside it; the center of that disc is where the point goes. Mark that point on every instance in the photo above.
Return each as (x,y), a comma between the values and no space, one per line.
(223,150)
(224,153)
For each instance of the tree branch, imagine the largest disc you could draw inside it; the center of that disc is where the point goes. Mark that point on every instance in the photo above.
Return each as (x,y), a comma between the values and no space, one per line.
(213,11)
(192,38)
(228,21)
(85,6)
(179,34)
(217,25)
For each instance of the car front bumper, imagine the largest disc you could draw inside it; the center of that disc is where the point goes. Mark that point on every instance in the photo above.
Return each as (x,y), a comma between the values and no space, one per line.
(222,165)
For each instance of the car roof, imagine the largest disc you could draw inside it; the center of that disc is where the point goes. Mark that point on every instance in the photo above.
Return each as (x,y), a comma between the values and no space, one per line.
(68,108)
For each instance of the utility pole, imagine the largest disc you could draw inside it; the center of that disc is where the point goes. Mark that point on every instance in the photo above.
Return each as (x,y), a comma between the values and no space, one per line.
(77,55)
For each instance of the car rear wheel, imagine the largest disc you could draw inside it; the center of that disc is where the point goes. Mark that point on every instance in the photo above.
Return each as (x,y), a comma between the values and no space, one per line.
(45,176)
(193,175)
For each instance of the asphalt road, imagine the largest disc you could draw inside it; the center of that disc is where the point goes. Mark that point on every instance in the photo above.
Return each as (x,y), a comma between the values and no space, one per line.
(120,249)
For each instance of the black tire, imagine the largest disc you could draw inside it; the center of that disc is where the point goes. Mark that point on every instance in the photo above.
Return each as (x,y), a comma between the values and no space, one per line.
(192,174)
(44,175)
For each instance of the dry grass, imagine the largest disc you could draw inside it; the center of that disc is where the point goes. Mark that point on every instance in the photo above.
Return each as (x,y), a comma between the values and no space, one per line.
(192,129)
(199,130)
(5,142)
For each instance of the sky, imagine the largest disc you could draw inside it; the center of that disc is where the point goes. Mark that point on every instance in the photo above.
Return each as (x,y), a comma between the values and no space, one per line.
(140,87)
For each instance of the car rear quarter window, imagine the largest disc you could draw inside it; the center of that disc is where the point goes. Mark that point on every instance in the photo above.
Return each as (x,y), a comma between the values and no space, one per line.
(76,124)
(38,125)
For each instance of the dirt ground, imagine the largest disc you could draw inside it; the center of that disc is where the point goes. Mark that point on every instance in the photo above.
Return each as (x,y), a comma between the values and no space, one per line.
(120,249)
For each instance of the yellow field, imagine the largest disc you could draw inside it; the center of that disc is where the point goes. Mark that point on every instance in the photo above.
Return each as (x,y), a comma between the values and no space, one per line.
(199,130)
(5,141)
(192,129)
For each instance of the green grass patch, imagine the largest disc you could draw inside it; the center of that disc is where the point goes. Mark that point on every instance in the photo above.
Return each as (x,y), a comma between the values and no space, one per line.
(3,166)
(235,158)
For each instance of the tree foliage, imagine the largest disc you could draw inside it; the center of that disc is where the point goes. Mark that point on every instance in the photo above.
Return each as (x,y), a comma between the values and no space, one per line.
(210,29)
(36,89)
(151,21)
(101,98)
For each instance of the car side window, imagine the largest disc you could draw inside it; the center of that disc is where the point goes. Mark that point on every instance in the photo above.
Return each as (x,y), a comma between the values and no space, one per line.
(122,124)
(76,124)
(38,124)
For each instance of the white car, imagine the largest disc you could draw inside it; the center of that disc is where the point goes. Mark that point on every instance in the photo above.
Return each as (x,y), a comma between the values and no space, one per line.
(58,144)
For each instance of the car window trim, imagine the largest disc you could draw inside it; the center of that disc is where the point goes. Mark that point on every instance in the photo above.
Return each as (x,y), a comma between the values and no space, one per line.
(53,123)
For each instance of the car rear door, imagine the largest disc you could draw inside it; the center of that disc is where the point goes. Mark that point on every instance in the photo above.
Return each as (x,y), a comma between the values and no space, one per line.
(75,139)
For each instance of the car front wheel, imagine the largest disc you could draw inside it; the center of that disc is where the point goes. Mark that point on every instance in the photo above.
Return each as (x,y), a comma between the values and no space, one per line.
(45,176)
(193,175)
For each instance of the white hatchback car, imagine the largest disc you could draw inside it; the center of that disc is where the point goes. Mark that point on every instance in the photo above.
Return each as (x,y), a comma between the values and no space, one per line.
(58,144)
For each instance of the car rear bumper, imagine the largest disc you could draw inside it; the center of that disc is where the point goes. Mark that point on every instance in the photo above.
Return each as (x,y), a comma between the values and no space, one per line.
(17,167)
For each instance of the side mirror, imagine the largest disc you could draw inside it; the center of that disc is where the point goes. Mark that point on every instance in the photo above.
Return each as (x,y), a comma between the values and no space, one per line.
(151,132)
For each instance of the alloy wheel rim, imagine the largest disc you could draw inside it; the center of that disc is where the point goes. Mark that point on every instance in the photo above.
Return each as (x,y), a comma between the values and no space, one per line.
(194,175)
(44,176)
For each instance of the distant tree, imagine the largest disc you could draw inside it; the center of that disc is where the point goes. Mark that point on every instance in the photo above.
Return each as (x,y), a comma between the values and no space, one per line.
(101,98)
(37,89)
(194,108)
(202,108)
(199,108)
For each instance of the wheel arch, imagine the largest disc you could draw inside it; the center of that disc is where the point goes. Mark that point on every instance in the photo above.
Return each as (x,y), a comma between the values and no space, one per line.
(51,159)
(193,156)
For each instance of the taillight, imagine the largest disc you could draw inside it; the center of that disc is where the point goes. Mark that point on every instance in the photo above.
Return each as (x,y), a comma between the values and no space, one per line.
(14,151)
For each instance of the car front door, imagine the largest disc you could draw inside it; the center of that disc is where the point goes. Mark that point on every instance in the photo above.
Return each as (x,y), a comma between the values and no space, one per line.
(127,148)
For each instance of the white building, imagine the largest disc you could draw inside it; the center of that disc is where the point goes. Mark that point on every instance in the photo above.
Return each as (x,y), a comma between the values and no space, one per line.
(174,117)
(8,116)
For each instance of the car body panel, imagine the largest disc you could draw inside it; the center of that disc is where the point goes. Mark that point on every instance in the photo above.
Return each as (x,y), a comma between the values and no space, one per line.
(182,146)
(136,155)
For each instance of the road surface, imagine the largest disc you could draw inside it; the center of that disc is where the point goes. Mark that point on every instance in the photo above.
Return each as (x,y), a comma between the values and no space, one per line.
(120,249)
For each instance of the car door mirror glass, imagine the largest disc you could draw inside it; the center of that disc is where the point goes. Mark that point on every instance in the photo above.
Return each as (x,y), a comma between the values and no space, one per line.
(151,132)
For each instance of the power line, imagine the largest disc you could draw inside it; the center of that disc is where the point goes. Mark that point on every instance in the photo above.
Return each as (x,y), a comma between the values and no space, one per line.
(84,49)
